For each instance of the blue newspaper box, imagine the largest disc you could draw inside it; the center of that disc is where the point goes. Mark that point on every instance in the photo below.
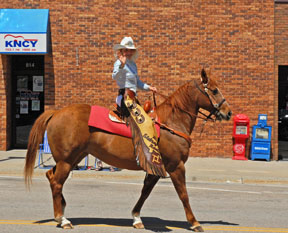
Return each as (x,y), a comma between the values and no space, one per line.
(261,139)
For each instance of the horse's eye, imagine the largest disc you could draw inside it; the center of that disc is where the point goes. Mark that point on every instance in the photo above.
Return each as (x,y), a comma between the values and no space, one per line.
(215,91)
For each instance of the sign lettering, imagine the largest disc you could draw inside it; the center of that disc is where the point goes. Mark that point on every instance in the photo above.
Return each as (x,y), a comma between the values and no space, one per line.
(20,44)
(23,43)
(261,148)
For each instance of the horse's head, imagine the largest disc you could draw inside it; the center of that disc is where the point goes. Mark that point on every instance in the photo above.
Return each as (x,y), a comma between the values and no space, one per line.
(211,98)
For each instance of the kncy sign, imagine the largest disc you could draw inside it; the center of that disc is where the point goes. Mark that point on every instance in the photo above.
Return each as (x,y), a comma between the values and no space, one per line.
(23,43)
(17,42)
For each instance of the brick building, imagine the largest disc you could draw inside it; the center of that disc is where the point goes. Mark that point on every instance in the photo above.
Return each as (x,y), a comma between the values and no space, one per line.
(243,42)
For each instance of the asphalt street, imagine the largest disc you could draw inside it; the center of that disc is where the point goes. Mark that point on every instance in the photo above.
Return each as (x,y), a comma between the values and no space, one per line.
(104,205)
(226,196)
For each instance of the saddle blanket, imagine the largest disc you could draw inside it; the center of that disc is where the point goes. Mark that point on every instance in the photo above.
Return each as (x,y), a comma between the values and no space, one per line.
(99,118)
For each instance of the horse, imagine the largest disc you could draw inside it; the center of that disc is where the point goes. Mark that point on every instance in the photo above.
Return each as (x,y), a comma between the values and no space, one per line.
(71,139)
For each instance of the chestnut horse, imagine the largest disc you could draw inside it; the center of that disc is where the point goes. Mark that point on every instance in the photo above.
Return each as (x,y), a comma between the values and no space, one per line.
(71,139)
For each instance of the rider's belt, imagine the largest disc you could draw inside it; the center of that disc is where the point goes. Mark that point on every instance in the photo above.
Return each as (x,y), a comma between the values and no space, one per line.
(130,93)
(121,91)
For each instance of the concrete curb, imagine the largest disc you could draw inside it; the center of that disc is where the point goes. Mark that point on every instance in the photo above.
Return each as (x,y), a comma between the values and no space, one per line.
(218,170)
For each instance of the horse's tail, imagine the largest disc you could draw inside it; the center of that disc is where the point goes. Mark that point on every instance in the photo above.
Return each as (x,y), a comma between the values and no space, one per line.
(35,138)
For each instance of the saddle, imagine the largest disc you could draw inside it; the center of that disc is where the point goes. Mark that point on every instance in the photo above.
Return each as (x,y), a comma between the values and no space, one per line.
(117,115)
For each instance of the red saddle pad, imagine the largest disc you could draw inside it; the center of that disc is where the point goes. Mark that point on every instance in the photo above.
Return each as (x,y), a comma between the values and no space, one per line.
(99,118)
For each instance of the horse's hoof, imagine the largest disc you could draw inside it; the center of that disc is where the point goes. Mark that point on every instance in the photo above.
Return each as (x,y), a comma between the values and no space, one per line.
(68,226)
(138,225)
(197,229)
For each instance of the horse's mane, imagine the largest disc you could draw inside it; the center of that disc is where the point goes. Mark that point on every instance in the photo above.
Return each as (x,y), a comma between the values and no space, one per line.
(176,101)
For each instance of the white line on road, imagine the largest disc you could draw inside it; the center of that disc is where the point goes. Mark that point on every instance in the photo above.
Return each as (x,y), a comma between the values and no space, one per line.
(199,188)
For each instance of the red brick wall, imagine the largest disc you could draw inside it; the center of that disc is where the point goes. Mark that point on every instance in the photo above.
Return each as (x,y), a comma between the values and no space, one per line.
(177,38)
(5,102)
(281,34)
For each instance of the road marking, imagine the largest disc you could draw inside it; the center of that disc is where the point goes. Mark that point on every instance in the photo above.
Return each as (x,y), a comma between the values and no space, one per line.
(21,177)
(12,177)
(246,229)
(199,188)
(210,170)
(25,222)
(188,187)
(253,171)
(203,188)
(226,190)
(208,228)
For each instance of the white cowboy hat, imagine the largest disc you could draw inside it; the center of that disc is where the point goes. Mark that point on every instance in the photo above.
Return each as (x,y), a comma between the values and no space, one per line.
(126,43)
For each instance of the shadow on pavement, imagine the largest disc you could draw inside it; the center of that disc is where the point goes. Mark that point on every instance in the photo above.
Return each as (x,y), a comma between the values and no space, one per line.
(150,223)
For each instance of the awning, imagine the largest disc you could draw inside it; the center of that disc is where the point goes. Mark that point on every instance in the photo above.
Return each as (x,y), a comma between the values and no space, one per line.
(23,30)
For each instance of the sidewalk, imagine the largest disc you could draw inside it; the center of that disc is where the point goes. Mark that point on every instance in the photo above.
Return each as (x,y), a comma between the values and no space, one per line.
(221,170)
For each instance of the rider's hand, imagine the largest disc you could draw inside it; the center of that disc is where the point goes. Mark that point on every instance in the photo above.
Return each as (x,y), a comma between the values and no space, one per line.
(154,89)
(122,59)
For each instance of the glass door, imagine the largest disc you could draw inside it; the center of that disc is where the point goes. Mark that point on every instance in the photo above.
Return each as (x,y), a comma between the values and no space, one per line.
(27,94)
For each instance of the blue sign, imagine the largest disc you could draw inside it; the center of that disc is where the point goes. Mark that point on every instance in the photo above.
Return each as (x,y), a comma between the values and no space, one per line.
(24,31)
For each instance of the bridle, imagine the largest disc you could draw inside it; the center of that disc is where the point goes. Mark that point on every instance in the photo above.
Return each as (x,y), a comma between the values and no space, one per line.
(215,111)
(216,106)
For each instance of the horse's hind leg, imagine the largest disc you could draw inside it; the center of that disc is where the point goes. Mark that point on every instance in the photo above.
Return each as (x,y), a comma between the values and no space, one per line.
(57,177)
(179,182)
(50,175)
(149,184)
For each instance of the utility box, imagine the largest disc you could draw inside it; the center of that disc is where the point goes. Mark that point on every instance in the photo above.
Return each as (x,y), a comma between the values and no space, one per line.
(241,124)
(261,139)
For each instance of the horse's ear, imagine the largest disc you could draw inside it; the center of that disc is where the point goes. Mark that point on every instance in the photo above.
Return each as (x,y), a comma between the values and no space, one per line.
(204,76)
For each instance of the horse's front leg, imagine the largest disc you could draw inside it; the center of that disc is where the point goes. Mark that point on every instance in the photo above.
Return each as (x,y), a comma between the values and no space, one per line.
(149,184)
(179,182)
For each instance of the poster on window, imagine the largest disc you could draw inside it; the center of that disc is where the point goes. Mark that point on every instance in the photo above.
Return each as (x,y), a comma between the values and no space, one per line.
(37,83)
(22,83)
(24,107)
(35,105)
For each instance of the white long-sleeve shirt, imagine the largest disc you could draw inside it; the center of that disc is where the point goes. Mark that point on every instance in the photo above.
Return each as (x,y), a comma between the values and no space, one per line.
(127,77)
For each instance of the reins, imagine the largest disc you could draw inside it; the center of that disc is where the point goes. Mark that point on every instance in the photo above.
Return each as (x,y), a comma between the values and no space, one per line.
(173,131)
(164,126)
(205,118)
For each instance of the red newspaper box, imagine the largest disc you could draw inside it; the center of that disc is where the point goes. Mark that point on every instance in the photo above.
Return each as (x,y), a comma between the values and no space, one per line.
(240,135)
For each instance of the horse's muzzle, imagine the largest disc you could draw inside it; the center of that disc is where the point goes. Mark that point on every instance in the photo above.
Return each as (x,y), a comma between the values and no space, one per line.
(222,116)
